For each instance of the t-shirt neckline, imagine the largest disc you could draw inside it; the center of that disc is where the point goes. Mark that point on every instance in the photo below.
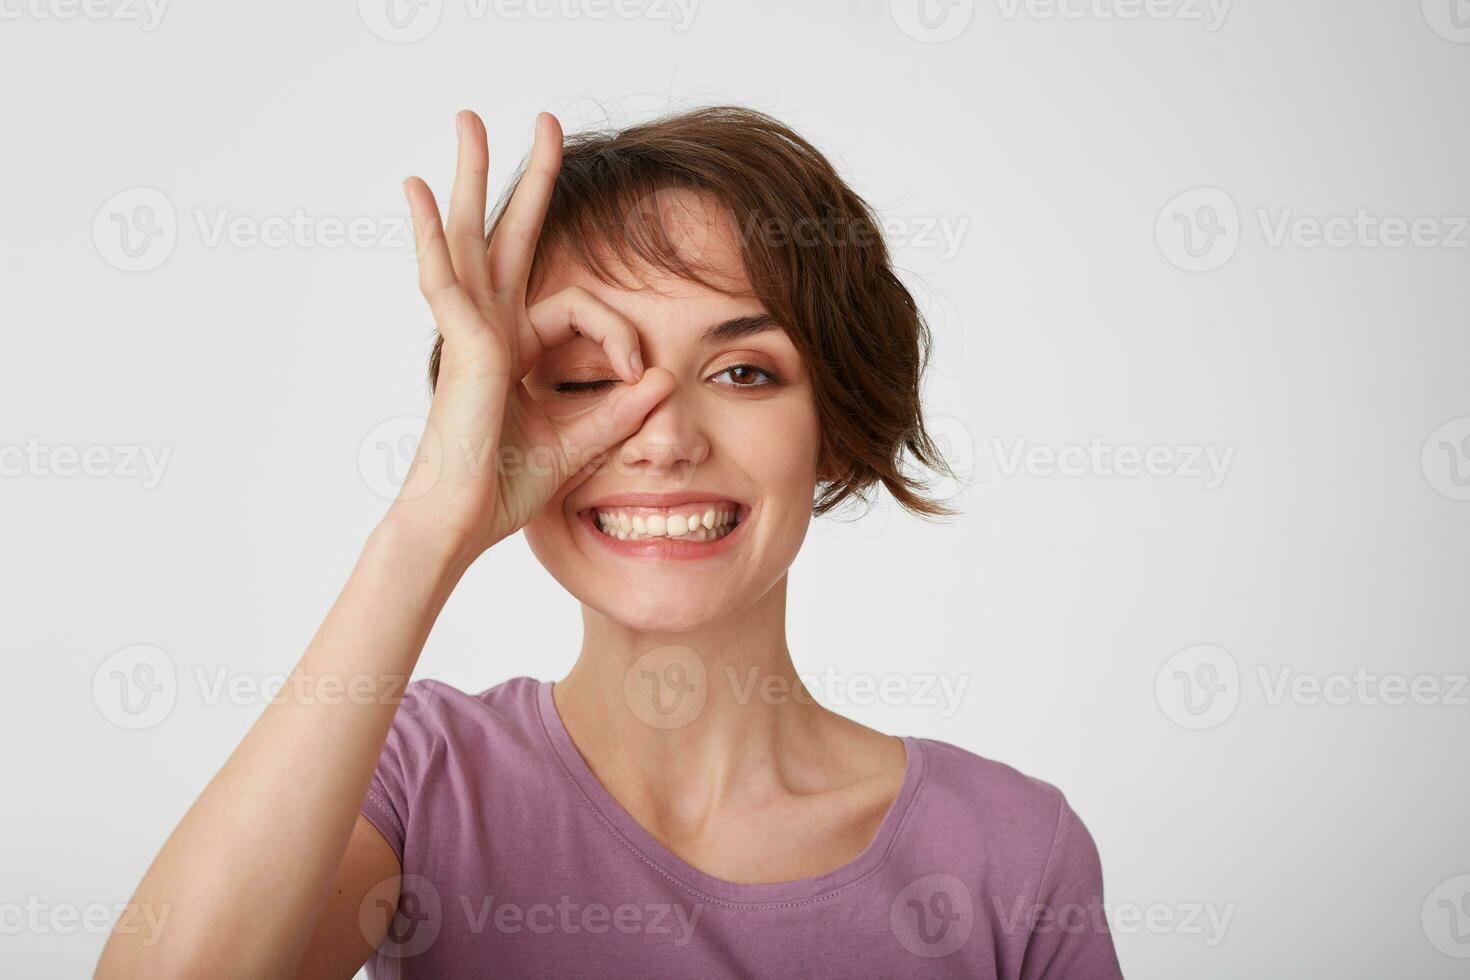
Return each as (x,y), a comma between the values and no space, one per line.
(708,887)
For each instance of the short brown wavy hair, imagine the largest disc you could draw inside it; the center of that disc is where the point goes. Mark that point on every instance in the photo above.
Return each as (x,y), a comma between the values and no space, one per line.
(813,252)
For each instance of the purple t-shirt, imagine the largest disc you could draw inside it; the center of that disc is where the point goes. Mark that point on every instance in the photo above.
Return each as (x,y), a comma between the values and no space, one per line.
(518,863)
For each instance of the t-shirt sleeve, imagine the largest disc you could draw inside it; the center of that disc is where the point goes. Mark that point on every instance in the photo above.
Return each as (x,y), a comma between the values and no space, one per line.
(401,765)
(1070,939)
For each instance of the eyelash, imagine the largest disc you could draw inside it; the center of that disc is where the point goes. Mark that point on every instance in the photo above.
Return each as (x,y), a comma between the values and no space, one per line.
(582,387)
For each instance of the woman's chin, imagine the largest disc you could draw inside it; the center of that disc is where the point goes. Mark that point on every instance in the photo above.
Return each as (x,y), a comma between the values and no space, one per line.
(666,614)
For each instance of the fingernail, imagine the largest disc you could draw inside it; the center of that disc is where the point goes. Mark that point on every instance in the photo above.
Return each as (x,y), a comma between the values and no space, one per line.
(459,124)
(636,360)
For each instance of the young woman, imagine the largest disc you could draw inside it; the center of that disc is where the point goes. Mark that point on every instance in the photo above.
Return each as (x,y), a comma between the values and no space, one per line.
(683,341)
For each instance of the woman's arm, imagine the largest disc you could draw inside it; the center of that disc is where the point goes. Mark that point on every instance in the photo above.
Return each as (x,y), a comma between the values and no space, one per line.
(358,908)
(249,871)
(245,874)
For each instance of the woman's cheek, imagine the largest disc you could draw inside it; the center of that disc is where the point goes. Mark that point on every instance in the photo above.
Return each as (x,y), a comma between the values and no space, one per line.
(794,441)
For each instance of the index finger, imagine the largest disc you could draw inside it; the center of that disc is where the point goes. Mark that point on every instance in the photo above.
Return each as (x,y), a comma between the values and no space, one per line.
(514,243)
(573,312)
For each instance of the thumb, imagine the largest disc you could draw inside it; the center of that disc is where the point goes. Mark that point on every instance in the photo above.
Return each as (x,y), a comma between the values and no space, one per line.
(612,420)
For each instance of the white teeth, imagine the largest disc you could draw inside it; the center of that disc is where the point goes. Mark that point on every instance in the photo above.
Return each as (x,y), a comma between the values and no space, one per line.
(710,525)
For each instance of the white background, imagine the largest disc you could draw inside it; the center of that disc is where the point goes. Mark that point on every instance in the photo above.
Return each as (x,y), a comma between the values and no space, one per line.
(1335,539)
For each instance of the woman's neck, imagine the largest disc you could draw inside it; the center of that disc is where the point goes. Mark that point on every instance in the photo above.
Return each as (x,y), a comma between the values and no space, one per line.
(678,726)
(711,743)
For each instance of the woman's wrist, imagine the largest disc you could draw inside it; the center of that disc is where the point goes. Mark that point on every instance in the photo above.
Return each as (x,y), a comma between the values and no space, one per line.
(404,539)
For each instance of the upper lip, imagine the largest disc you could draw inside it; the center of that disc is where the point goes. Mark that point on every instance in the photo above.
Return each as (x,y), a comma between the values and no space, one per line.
(660,499)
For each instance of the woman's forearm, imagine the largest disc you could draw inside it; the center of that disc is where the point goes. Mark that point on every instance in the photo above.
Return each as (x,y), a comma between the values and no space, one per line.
(244,873)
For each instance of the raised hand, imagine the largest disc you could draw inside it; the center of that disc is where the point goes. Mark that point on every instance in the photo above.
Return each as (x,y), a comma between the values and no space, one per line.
(490,457)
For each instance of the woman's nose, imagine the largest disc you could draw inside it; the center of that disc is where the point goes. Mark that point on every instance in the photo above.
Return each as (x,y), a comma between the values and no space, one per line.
(671,438)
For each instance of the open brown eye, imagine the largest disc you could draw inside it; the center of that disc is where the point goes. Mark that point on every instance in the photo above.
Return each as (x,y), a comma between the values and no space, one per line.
(744,373)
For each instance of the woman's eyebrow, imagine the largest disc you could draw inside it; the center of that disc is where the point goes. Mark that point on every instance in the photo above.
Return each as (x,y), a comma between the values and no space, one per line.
(742,326)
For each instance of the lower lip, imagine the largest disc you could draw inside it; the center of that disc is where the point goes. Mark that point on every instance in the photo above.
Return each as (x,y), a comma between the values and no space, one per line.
(674,549)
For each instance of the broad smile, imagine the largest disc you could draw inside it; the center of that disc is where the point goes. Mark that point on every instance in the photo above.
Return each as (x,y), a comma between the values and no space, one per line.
(692,528)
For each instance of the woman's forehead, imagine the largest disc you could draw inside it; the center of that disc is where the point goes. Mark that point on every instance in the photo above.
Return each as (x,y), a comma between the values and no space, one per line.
(653,297)
(656,240)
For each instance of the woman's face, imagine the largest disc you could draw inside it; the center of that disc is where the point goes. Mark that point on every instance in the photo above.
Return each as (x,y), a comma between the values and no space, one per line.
(737,436)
